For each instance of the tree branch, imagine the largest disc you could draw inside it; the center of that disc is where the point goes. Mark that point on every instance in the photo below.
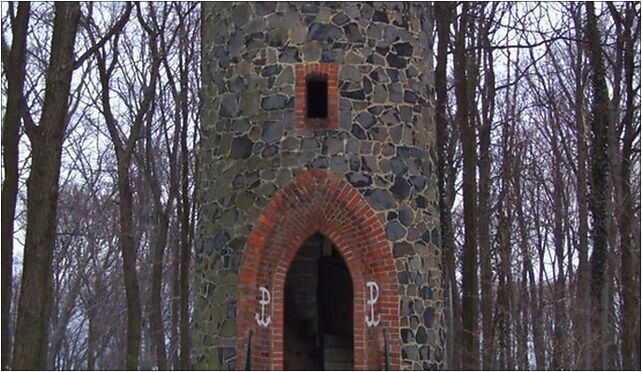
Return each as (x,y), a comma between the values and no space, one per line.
(116,28)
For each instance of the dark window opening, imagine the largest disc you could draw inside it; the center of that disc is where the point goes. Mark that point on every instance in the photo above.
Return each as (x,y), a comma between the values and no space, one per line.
(317,97)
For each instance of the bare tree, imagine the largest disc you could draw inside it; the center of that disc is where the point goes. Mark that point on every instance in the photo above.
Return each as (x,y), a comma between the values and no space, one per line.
(14,64)
(42,194)
(464,85)
(124,147)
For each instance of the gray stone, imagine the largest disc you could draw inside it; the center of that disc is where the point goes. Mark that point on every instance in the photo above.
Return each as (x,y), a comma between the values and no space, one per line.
(379,75)
(328,56)
(240,14)
(324,32)
(380,16)
(429,317)
(395,92)
(220,239)
(358,132)
(425,354)
(274,102)
(289,55)
(229,107)
(309,144)
(355,163)
(339,164)
(395,231)
(403,49)
(355,94)
(310,8)
(406,307)
(406,216)
(312,51)
(352,11)
(241,147)
(298,34)
(350,73)
(410,352)
(249,102)
(353,145)
(366,120)
(435,237)
(390,34)
(333,146)
(414,322)
(419,182)
(400,189)
(273,21)
(376,59)
(264,7)
(272,131)
(402,249)
(379,199)
(359,179)
(410,97)
(353,33)
(396,61)
(426,292)
(406,335)
(398,166)
(286,76)
(340,19)
(271,70)
(290,143)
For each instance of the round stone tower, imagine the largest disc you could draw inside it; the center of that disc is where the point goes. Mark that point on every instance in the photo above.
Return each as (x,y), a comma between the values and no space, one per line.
(318,243)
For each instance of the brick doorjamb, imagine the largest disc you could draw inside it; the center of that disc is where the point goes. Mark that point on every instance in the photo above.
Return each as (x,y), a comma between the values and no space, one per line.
(317,201)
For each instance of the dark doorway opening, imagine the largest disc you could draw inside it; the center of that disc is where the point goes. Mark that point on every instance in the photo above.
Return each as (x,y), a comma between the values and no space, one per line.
(318,309)
(317,97)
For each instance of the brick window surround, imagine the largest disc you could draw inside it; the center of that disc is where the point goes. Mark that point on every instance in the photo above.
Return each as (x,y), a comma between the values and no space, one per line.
(317,201)
(329,72)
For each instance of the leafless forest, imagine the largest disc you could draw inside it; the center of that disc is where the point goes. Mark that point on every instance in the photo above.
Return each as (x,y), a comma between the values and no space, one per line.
(538,141)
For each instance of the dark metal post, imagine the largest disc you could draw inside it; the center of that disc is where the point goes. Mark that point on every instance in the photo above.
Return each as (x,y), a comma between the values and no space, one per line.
(248,352)
(386,350)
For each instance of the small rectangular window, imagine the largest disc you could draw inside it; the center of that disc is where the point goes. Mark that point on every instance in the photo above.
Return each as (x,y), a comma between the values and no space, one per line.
(316,103)
(317,97)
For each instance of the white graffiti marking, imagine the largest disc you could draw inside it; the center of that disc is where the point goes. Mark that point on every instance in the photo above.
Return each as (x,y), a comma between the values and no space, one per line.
(374,296)
(263,319)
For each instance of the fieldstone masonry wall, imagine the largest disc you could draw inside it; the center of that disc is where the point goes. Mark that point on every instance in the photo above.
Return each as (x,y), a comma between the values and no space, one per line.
(383,147)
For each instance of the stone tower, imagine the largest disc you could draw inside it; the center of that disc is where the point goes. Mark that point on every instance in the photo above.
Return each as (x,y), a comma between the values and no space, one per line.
(318,240)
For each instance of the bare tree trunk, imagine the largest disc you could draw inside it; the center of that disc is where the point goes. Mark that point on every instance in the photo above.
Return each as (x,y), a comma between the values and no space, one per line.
(42,195)
(65,312)
(443,14)
(184,216)
(485,159)
(504,286)
(184,213)
(157,331)
(15,73)
(560,326)
(128,251)
(470,339)
(175,362)
(625,201)
(582,313)
(599,194)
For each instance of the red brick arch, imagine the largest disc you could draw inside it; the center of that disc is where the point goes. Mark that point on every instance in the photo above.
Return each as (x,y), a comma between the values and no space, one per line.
(317,201)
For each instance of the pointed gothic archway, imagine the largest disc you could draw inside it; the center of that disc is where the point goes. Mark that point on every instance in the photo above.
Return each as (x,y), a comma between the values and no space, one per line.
(316,201)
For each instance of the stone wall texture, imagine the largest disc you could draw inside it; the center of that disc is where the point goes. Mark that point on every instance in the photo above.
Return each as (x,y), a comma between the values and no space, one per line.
(384,147)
